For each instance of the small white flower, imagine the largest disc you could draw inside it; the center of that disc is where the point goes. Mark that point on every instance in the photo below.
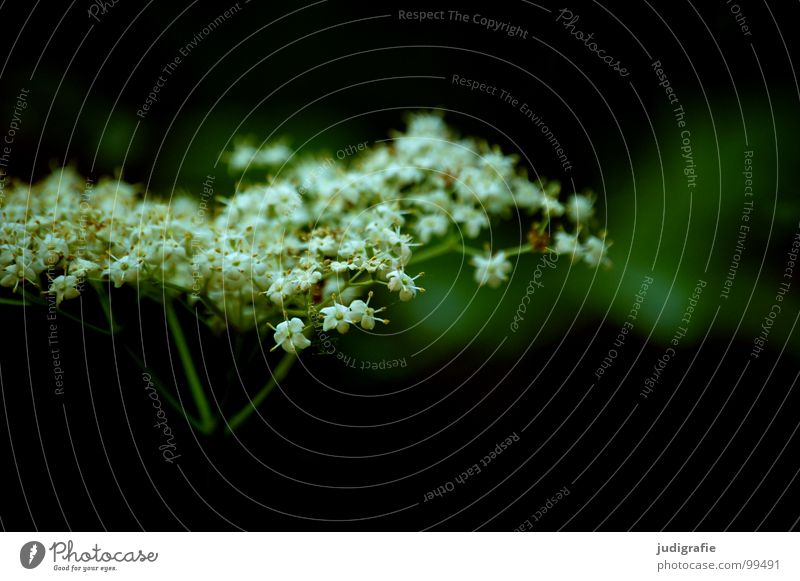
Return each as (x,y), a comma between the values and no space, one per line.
(552,207)
(361,312)
(471,219)
(339,267)
(528,195)
(306,278)
(431,225)
(289,335)
(16,272)
(273,154)
(232,278)
(261,275)
(349,248)
(281,289)
(596,251)
(283,198)
(242,156)
(323,244)
(64,287)
(126,269)
(336,317)
(498,163)
(399,281)
(580,209)
(427,124)
(568,244)
(52,248)
(82,268)
(491,270)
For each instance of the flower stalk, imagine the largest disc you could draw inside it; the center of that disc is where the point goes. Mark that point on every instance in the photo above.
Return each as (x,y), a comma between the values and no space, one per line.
(206,417)
(278,374)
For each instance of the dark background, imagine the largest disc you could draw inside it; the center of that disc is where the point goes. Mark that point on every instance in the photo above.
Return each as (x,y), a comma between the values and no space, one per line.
(713,448)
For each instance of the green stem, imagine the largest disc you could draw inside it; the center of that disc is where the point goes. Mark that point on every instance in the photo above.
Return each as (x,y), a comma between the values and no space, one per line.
(12,302)
(105,304)
(355,276)
(434,251)
(166,394)
(295,312)
(195,387)
(472,251)
(519,250)
(278,374)
(452,244)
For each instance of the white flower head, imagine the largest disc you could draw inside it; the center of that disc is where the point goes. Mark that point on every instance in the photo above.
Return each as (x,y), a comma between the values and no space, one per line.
(242,156)
(275,245)
(361,312)
(431,225)
(273,154)
(491,270)
(16,272)
(580,209)
(552,207)
(64,287)
(339,267)
(568,244)
(596,252)
(402,283)
(470,218)
(52,248)
(280,289)
(82,268)
(289,335)
(306,278)
(336,317)
(428,125)
(527,194)
(125,269)
(282,198)
(246,155)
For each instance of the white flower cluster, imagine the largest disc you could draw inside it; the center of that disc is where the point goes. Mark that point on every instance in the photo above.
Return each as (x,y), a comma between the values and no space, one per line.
(247,156)
(300,248)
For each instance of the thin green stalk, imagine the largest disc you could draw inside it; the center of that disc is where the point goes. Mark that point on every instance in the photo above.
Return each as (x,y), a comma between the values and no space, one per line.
(195,386)
(449,245)
(295,312)
(472,251)
(105,304)
(166,394)
(519,250)
(176,287)
(12,302)
(355,276)
(434,251)
(278,374)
